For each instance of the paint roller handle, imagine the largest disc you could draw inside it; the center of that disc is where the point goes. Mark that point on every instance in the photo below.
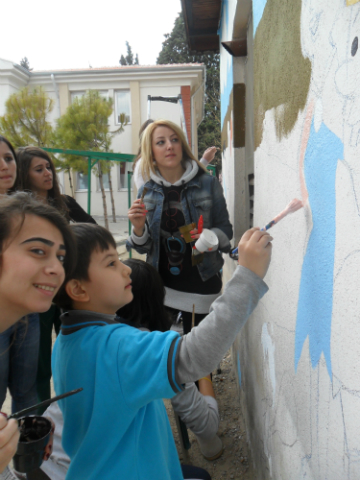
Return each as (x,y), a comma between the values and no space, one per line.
(234,254)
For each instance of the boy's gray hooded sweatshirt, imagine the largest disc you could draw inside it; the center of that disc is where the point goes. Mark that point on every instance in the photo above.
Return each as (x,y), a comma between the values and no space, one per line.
(201,350)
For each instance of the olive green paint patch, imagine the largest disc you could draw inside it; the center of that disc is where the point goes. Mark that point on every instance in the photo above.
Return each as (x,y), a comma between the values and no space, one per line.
(236,108)
(239,92)
(281,73)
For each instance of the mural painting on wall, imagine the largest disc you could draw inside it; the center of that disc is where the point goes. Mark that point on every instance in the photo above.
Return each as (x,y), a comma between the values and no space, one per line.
(226,77)
(307,70)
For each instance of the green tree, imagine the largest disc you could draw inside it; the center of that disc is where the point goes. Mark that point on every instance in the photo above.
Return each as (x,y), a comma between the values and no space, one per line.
(129,59)
(25,120)
(24,62)
(84,126)
(175,50)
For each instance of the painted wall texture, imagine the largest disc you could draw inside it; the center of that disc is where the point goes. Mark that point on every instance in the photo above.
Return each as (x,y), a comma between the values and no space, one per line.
(298,358)
(236,164)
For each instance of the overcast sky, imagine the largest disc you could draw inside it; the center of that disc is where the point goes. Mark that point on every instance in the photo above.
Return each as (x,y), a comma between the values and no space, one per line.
(75,34)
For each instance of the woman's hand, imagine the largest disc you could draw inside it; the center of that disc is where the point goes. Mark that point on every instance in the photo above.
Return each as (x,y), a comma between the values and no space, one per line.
(9,438)
(255,251)
(49,446)
(209,154)
(137,216)
(194,234)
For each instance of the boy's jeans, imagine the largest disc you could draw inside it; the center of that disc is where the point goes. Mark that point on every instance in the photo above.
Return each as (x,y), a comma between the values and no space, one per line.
(19,352)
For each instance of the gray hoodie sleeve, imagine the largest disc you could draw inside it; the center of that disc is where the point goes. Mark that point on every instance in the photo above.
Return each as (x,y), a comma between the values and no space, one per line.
(199,412)
(200,351)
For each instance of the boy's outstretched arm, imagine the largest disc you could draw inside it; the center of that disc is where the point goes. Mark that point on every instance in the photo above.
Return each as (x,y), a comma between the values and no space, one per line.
(200,351)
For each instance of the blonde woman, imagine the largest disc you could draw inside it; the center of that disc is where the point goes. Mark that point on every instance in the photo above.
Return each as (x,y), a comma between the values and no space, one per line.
(178,193)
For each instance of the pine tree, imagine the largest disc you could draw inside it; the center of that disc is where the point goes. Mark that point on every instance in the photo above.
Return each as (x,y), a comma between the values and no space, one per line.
(176,50)
(84,126)
(129,59)
(24,62)
(25,120)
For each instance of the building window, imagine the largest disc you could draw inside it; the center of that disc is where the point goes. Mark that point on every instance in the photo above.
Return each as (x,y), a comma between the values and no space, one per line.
(122,105)
(123,169)
(81,181)
(75,95)
(79,94)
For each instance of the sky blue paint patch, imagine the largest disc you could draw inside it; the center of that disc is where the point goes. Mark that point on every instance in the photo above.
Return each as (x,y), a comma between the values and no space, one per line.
(258,10)
(223,5)
(238,367)
(225,96)
(323,152)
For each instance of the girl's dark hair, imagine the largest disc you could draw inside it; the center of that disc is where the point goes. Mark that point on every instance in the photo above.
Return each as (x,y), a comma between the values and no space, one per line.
(15,186)
(89,238)
(147,308)
(25,156)
(20,204)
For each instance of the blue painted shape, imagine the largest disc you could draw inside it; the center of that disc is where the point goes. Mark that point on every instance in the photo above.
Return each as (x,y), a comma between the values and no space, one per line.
(223,32)
(224,4)
(258,10)
(323,152)
(238,367)
(225,95)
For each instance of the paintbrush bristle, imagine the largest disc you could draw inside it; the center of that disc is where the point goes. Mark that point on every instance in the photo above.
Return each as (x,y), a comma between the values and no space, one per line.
(294,205)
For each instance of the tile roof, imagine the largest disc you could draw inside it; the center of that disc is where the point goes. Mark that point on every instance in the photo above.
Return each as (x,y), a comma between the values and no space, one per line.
(122,67)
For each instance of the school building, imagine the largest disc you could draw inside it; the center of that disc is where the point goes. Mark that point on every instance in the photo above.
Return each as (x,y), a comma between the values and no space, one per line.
(290,124)
(129,87)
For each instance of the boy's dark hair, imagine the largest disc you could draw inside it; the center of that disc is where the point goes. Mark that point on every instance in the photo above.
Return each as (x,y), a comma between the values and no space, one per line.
(20,204)
(16,183)
(89,238)
(147,308)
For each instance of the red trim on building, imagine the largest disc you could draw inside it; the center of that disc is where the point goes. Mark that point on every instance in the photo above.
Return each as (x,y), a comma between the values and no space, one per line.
(186,99)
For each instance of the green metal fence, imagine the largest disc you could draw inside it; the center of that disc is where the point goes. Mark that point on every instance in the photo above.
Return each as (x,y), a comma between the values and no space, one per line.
(93,158)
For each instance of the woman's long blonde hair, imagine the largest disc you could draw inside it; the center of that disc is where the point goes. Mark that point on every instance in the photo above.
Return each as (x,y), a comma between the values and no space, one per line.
(147,157)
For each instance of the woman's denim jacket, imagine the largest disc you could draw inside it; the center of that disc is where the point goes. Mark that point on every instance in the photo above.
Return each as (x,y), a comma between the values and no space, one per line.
(204,196)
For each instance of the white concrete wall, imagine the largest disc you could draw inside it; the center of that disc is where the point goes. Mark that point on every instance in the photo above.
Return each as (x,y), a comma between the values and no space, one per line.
(11,80)
(159,110)
(298,358)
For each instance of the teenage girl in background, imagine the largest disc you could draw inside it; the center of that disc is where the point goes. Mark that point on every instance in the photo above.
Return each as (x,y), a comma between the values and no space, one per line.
(36,251)
(19,344)
(37,174)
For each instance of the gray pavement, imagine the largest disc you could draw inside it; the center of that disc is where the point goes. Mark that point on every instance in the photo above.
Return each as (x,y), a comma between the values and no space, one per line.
(120,232)
(120,229)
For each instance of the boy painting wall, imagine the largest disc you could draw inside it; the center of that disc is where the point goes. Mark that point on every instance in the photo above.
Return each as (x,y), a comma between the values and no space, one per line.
(118,427)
